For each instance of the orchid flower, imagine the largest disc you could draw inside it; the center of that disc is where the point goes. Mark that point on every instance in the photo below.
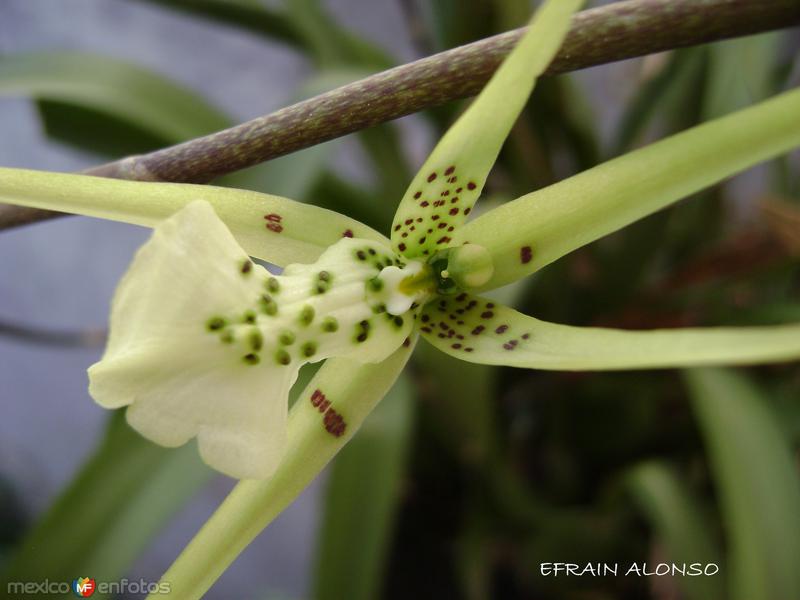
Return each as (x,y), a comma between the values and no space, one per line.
(206,343)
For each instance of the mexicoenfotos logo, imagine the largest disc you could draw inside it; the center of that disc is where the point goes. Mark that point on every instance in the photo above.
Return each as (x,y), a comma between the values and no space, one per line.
(84,586)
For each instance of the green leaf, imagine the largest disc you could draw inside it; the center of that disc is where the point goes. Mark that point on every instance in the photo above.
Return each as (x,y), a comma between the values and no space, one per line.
(741,72)
(353,390)
(107,105)
(250,15)
(447,186)
(666,93)
(757,483)
(477,330)
(274,229)
(361,501)
(680,523)
(330,44)
(463,404)
(538,228)
(111,510)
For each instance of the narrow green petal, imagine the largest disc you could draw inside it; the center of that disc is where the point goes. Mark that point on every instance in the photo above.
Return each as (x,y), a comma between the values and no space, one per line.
(274,229)
(327,414)
(204,343)
(534,230)
(479,330)
(442,194)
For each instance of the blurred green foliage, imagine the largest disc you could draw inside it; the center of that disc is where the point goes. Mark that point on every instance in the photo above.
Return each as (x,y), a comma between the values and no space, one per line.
(469,476)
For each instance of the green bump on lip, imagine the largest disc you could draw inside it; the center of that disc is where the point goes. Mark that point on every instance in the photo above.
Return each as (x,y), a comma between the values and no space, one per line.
(273,285)
(282,357)
(216,323)
(306,315)
(330,324)
(251,359)
(256,340)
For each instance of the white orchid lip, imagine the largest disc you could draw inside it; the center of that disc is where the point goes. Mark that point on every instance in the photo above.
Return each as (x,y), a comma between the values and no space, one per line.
(205,343)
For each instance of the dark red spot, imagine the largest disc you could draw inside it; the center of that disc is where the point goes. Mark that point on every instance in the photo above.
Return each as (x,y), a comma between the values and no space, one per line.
(430,230)
(450,170)
(319,401)
(454,200)
(406,342)
(452,180)
(478,330)
(525,336)
(456,346)
(468,349)
(422,240)
(417,195)
(397,227)
(467,210)
(450,228)
(404,234)
(431,177)
(348,233)
(441,336)
(471,185)
(419,219)
(273,222)
(409,221)
(413,228)
(441,240)
(426,329)
(454,211)
(461,297)
(435,218)
(525,254)
(501,329)
(247,266)
(425,318)
(489,305)
(442,225)
(424,203)
(458,190)
(334,423)
(401,246)
(487,314)
(445,193)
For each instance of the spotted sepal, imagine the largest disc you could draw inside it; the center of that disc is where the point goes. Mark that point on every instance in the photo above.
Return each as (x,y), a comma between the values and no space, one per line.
(443,193)
(205,343)
(479,330)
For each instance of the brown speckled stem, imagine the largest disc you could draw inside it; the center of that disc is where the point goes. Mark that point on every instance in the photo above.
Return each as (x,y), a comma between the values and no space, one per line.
(614,32)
